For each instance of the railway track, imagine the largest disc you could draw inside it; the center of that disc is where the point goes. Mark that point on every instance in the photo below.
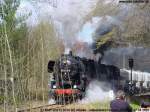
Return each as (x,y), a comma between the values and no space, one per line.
(42,108)
(56,109)
(59,108)
(63,108)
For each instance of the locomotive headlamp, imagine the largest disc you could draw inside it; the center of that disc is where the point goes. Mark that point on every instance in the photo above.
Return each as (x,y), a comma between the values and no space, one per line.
(64,61)
(75,86)
(111,94)
(68,62)
(54,86)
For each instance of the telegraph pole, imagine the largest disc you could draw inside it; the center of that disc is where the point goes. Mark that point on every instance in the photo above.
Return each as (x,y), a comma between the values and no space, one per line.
(131,64)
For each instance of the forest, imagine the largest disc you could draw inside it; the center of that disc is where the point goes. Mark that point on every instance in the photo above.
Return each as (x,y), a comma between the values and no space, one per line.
(25,49)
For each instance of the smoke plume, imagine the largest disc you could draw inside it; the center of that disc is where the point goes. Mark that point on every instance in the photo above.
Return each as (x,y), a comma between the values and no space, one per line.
(119,57)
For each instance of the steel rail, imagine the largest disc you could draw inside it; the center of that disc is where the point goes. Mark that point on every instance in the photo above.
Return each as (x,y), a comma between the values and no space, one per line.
(41,107)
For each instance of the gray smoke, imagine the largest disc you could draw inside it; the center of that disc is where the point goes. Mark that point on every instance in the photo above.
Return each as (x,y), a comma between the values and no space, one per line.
(119,57)
(68,18)
(106,25)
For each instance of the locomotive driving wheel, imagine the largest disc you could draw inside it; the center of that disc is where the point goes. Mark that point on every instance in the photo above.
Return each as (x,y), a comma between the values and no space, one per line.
(61,100)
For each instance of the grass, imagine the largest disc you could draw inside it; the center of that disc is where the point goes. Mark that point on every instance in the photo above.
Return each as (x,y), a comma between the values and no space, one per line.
(92,105)
(134,106)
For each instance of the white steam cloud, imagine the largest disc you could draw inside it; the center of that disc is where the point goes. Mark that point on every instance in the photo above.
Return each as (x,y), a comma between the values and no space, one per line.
(67,15)
(95,93)
(88,29)
(137,75)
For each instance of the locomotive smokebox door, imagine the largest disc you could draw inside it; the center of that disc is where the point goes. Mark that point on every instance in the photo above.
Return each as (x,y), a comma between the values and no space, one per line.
(50,66)
(131,63)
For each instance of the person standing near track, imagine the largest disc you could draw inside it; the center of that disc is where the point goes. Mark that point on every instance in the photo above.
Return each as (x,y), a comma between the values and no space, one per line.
(119,104)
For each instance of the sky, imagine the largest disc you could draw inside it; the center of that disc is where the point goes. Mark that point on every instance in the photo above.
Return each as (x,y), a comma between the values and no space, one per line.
(88,29)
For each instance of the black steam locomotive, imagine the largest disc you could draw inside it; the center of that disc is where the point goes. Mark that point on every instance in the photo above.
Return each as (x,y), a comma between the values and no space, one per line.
(72,74)
(68,80)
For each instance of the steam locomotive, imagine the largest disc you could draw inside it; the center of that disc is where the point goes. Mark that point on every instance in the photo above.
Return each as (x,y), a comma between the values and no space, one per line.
(68,79)
(72,74)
